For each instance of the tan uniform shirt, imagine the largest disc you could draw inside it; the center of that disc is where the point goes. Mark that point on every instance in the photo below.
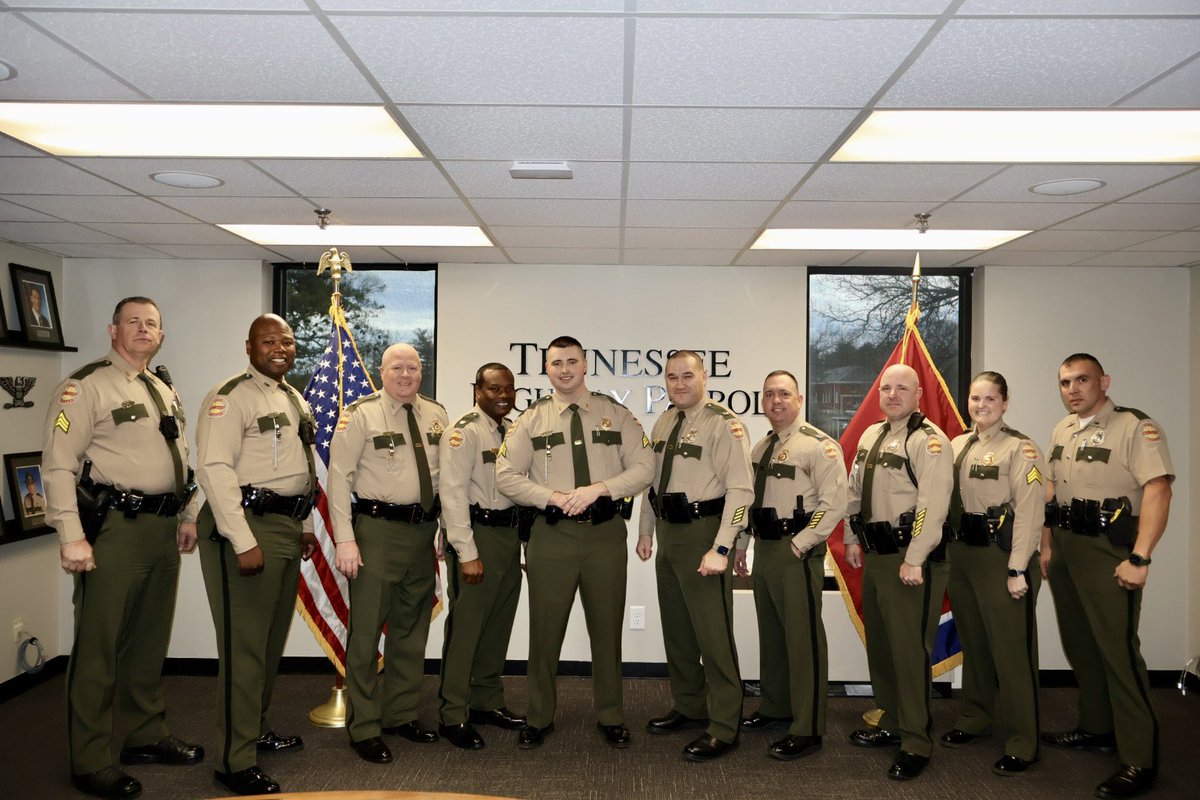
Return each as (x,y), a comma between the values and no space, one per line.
(371,455)
(238,445)
(892,491)
(1114,455)
(469,477)
(108,417)
(713,460)
(535,459)
(806,463)
(1005,466)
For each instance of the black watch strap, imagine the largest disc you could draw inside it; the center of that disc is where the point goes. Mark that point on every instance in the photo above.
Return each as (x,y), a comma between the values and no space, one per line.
(1016,573)
(1139,560)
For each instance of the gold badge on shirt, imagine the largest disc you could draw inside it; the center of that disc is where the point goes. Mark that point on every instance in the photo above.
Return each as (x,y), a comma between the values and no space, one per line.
(436,427)
(782,457)
(988,459)
(893,445)
(1098,437)
(606,424)
(690,436)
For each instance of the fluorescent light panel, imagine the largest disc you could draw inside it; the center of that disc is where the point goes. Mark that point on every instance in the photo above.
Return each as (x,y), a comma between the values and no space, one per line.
(1068,137)
(363,235)
(225,131)
(875,239)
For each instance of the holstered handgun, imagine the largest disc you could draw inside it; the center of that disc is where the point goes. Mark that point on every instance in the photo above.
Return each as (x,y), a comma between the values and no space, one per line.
(859,528)
(1000,525)
(92,500)
(525,515)
(1117,521)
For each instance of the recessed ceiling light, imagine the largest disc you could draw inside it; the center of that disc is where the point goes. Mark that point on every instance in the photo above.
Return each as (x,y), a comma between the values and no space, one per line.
(1066,186)
(1071,137)
(877,239)
(363,235)
(7,71)
(221,131)
(187,180)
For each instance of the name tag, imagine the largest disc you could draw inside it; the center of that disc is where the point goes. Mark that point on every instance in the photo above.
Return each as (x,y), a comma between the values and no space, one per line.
(1093,454)
(891,461)
(387,441)
(550,440)
(991,473)
(1056,453)
(129,413)
(434,438)
(690,451)
(787,471)
(606,437)
(488,456)
(267,423)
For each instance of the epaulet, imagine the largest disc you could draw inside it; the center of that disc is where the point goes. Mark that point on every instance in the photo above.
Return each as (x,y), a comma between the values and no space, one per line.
(467,419)
(88,369)
(1016,434)
(431,400)
(608,397)
(813,432)
(232,382)
(363,399)
(1134,411)
(720,409)
(540,401)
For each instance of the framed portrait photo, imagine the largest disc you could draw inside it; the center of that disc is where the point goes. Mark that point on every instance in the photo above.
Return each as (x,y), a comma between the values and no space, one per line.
(37,305)
(24,472)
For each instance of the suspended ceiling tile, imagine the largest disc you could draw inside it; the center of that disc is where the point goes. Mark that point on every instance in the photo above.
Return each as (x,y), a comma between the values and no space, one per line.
(807,214)
(10,212)
(499,133)
(1143,258)
(1179,89)
(593,179)
(1120,180)
(1005,216)
(217,57)
(689,238)
(1136,217)
(311,254)
(795,258)
(562,255)
(1058,239)
(544,59)
(679,257)
(452,6)
(1045,62)
(118,251)
(1027,258)
(80,208)
(155,234)
(359,178)
(238,177)
(218,252)
(708,181)
(735,134)
(569,213)
(904,258)
(696,213)
(545,236)
(1184,189)
(48,176)
(246,210)
(451,255)
(46,69)
(908,182)
(53,233)
(1077,7)
(1183,242)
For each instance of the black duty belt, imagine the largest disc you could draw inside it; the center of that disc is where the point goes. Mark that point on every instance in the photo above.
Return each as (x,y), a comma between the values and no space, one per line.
(599,512)
(261,501)
(973,529)
(134,502)
(413,514)
(494,517)
(766,524)
(675,507)
(1112,517)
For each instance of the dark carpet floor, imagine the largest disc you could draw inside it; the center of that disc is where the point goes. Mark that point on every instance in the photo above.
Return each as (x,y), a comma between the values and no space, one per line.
(575,763)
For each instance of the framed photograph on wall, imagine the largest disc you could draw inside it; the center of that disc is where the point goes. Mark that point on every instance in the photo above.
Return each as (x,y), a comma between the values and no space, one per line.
(28,492)
(3,324)
(37,305)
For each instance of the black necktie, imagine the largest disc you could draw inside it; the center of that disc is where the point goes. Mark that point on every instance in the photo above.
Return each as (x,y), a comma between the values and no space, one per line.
(172,444)
(423,476)
(869,472)
(669,456)
(760,470)
(583,476)
(956,502)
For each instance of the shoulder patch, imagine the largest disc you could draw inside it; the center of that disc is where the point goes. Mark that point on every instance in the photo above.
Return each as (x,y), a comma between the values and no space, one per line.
(720,409)
(1134,411)
(88,369)
(69,393)
(1029,451)
(218,407)
(1016,434)
(232,382)
(456,437)
(830,450)
(1151,433)
(466,419)
(430,399)
(736,429)
(933,446)
(343,423)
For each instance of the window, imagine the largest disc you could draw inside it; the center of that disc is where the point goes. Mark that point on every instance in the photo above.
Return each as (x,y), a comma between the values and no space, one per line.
(383,304)
(855,320)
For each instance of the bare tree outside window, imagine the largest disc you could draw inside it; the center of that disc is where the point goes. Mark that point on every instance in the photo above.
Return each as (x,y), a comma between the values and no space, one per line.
(383,305)
(855,320)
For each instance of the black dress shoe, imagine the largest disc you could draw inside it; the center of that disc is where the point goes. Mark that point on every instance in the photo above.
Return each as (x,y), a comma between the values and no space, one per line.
(167,751)
(373,750)
(248,781)
(531,737)
(462,735)
(907,766)
(616,735)
(674,721)
(957,738)
(1008,766)
(1127,782)
(1081,740)
(761,722)
(272,742)
(706,748)
(501,718)
(108,782)
(790,748)
(413,732)
(874,737)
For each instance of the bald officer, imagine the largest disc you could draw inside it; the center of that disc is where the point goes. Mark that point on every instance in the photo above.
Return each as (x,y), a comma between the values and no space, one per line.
(701,492)
(484,565)
(385,451)
(799,498)
(900,488)
(1109,484)
(256,466)
(576,456)
(128,425)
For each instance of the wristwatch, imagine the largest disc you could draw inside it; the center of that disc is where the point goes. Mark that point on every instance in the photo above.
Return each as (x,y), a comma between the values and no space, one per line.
(1138,560)
(722,550)
(1016,573)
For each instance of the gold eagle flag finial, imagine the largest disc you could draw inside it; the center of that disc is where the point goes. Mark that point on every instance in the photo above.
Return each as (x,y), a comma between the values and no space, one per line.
(337,262)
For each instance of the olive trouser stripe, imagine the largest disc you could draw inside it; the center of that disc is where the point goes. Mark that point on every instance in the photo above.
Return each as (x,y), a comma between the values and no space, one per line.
(1130,635)
(726,597)
(1031,652)
(926,602)
(72,663)
(813,630)
(453,580)
(227,643)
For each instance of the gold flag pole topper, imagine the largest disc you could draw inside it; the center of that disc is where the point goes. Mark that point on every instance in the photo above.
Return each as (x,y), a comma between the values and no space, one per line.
(332,713)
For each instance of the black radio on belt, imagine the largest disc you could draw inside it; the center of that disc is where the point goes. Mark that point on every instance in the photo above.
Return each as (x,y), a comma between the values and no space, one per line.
(1112,517)
(674,508)
(308,432)
(261,501)
(525,516)
(168,427)
(766,524)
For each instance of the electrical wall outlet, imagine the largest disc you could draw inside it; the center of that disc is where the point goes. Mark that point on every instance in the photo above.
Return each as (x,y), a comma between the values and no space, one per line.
(637,618)
(18,629)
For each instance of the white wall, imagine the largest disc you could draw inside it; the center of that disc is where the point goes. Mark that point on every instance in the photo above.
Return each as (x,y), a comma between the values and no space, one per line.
(28,569)
(1137,321)
(1192,488)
